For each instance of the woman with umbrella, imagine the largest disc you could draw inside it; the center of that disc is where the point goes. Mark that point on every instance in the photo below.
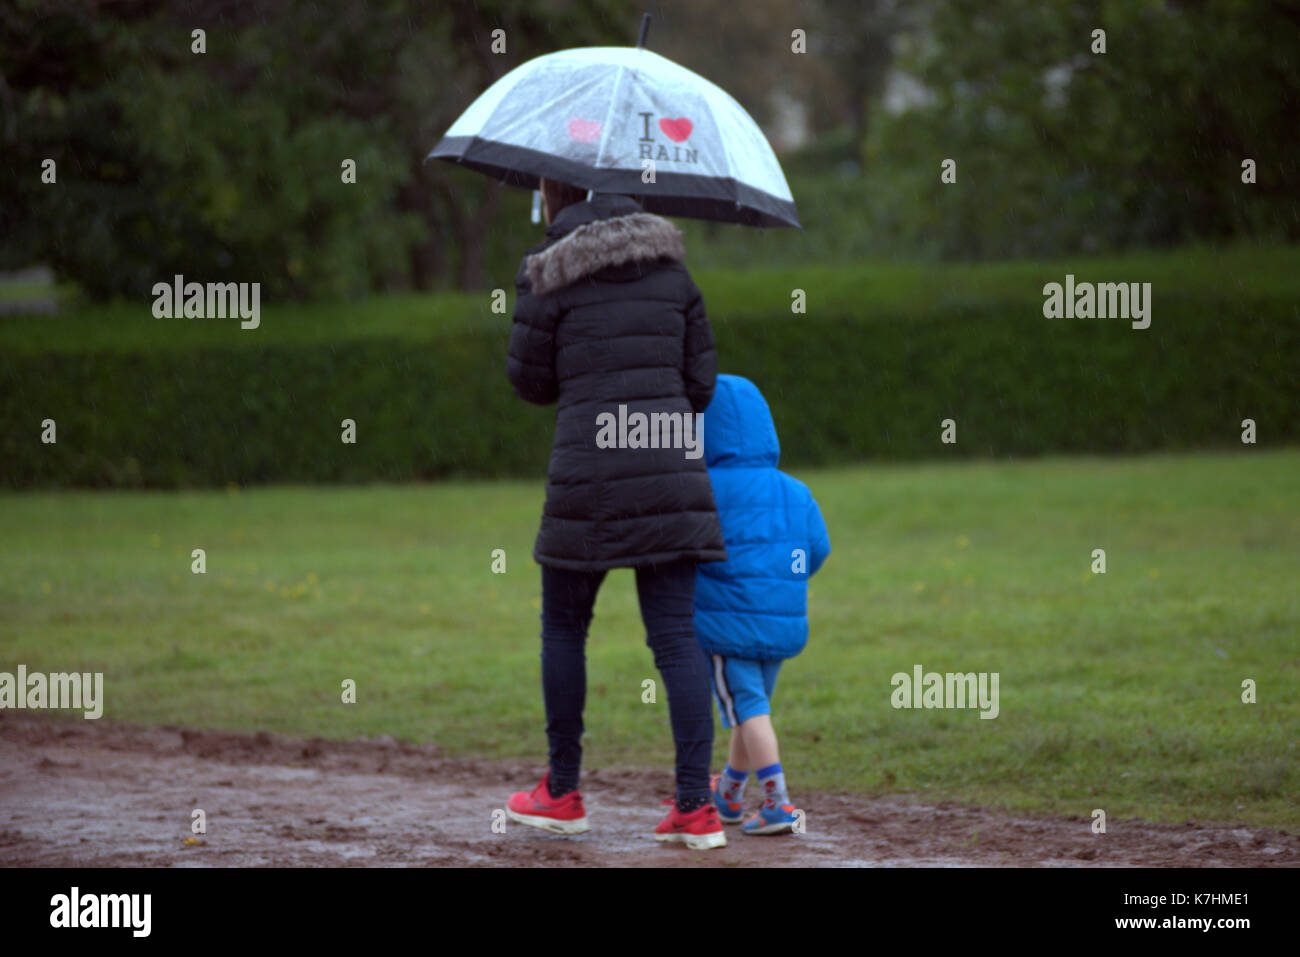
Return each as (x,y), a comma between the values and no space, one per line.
(609,325)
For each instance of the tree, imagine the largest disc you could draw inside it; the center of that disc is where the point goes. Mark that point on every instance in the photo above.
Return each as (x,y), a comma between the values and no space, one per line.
(1063,149)
(228,162)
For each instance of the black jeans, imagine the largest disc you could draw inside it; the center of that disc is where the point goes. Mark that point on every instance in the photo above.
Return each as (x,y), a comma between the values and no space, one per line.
(667,594)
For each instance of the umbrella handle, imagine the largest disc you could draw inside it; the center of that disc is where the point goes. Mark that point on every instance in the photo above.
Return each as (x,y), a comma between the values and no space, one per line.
(645,29)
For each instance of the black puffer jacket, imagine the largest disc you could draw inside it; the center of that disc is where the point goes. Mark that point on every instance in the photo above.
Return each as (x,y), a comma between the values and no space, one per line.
(607,315)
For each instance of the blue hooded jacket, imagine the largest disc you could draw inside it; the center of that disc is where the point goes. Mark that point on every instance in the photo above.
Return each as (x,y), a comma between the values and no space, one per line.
(755,604)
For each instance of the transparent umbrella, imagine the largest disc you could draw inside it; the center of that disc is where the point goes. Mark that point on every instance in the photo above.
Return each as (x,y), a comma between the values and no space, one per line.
(624,120)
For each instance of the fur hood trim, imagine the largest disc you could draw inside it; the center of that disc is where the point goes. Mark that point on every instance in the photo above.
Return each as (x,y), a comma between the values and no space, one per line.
(638,237)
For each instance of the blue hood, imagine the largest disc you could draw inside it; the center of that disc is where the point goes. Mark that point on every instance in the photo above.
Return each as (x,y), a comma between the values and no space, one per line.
(738,427)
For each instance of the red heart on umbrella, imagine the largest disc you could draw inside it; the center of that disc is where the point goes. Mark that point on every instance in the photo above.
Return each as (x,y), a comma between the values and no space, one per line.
(678,129)
(584,131)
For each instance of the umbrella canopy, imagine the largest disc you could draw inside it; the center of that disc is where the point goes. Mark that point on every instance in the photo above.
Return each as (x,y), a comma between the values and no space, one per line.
(593,116)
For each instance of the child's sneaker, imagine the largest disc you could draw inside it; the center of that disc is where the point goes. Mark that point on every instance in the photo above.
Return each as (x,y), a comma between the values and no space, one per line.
(772,820)
(536,808)
(729,812)
(698,830)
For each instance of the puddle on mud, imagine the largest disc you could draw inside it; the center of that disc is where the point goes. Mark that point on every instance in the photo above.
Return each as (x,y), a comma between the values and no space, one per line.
(114,795)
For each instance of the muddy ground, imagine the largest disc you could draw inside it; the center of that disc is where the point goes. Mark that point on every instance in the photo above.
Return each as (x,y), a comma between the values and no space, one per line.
(99,794)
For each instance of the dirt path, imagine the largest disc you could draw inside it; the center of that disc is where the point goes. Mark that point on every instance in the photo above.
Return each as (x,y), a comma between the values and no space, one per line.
(92,793)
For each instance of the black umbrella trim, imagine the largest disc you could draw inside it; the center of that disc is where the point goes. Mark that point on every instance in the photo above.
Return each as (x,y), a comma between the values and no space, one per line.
(672,194)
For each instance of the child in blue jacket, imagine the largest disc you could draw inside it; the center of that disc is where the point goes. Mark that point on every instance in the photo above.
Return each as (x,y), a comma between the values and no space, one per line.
(751,611)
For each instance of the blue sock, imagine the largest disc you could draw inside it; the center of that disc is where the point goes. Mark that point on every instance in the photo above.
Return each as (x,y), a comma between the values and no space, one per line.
(772,780)
(732,785)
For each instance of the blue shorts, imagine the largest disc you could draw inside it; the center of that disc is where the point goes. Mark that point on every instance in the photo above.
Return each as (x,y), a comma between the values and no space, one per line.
(742,687)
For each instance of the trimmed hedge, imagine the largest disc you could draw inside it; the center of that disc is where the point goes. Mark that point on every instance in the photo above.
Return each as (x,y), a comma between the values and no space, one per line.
(841,388)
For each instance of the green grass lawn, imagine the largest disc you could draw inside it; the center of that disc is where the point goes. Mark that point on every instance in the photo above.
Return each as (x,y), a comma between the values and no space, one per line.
(1120,691)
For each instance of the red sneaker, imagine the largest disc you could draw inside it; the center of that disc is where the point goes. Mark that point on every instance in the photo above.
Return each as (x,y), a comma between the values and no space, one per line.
(536,808)
(699,830)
